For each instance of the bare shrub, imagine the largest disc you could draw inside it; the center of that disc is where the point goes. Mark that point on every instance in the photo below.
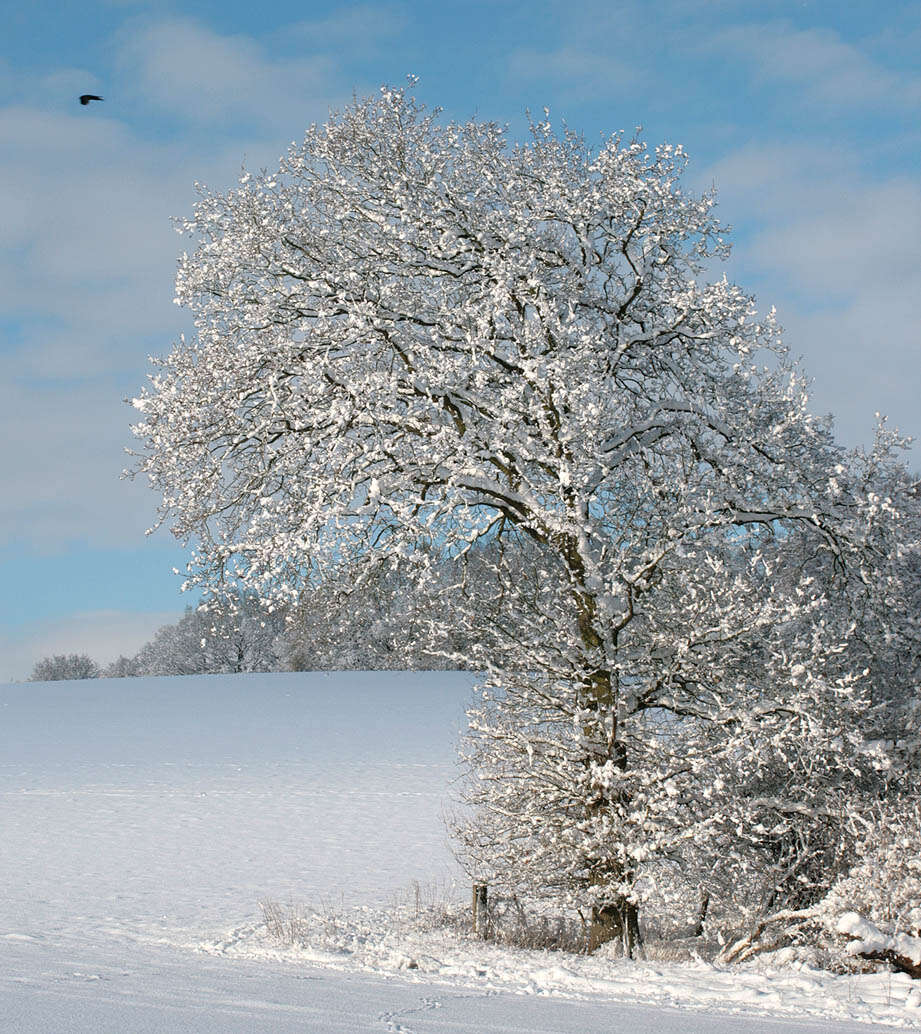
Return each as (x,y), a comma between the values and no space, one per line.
(431,905)
(287,924)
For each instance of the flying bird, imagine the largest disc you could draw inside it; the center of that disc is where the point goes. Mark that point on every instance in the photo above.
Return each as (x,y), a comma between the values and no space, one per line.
(85,98)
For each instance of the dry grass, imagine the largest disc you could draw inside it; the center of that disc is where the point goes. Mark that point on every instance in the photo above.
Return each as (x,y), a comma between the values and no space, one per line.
(514,924)
(335,928)
(422,907)
(288,924)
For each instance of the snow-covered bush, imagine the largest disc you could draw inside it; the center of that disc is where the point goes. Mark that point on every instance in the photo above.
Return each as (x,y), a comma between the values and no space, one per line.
(883,886)
(872,910)
(65,666)
(122,668)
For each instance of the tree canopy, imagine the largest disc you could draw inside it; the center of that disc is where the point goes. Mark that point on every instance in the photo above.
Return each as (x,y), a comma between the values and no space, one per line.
(423,333)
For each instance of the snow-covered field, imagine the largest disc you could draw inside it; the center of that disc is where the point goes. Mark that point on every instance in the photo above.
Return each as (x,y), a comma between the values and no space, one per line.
(143,820)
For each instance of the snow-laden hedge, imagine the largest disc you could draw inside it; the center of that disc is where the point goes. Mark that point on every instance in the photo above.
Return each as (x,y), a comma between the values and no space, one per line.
(884,885)
(877,905)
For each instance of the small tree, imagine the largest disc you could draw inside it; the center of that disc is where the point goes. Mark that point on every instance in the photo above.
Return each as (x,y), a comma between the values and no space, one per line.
(65,666)
(122,668)
(230,633)
(413,332)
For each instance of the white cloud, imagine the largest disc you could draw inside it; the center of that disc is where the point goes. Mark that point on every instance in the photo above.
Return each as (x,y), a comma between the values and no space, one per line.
(103,634)
(62,476)
(182,67)
(828,70)
(825,225)
(86,208)
(863,239)
(841,247)
(863,357)
(363,27)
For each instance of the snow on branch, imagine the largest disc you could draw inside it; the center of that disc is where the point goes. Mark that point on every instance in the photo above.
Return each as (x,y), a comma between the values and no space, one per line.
(867,941)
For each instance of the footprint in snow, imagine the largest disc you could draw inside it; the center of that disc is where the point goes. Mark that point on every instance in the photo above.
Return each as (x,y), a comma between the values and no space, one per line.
(393,1026)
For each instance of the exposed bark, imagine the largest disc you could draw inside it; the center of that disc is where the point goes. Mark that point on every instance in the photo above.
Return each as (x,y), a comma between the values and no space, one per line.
(900,963)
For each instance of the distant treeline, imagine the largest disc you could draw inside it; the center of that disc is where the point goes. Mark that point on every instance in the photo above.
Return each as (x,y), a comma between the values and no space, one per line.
(383,622)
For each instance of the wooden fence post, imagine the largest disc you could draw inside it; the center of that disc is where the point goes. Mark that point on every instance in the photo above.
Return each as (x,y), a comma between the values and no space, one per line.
(702,913)
(480,910)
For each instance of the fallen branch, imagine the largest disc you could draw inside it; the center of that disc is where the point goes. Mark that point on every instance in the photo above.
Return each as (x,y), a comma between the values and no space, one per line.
(900,963)
(750,945)
(900,951)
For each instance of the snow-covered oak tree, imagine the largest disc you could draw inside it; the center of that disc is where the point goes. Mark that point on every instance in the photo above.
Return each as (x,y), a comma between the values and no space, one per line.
(416,332)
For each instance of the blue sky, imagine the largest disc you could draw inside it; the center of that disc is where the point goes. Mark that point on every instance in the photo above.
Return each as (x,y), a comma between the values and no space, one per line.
(804,115)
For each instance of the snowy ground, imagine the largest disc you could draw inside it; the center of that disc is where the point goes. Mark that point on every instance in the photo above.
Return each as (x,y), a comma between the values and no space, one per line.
(143,820)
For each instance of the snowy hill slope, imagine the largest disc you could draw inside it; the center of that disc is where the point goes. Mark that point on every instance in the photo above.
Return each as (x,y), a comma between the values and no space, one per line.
(190,799)
(143,820)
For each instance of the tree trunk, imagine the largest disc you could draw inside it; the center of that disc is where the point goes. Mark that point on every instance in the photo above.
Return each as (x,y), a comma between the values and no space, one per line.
(615,922)
(618,921)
